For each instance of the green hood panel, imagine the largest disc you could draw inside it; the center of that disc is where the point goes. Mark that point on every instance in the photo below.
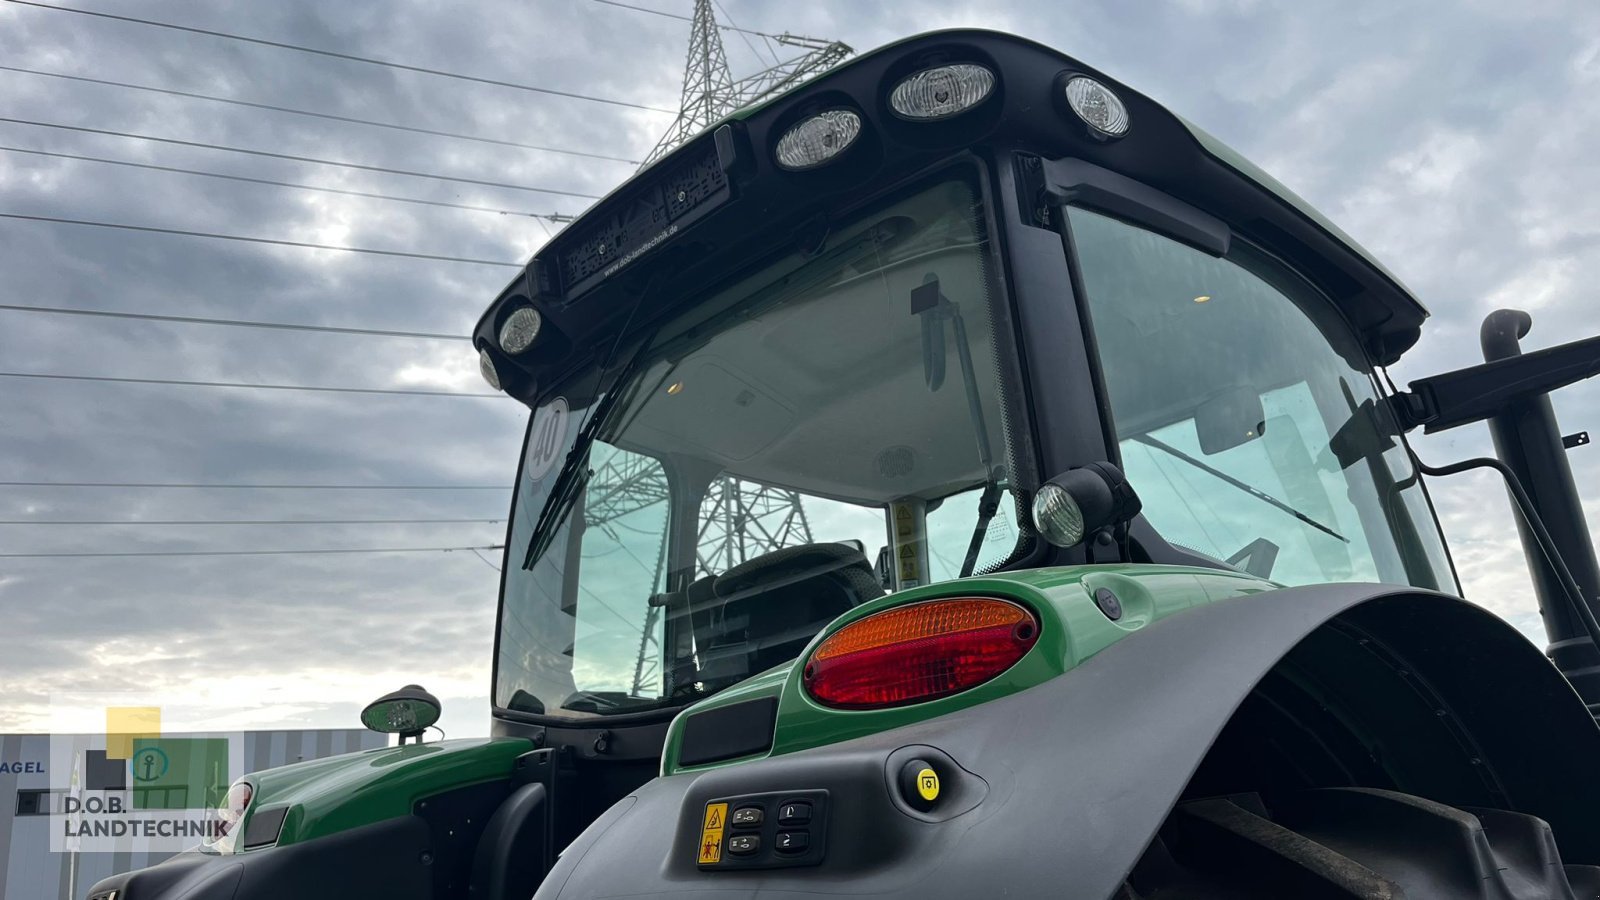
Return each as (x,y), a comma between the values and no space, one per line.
(1072,629)
(330,795)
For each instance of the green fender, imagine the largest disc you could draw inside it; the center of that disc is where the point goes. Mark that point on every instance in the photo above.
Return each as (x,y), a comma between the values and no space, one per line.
(327,796)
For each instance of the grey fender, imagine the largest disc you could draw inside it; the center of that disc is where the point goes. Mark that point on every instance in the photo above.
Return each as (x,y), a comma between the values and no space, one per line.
(1061,787)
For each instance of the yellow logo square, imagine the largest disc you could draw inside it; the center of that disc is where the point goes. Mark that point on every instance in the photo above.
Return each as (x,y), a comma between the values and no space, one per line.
(126,724)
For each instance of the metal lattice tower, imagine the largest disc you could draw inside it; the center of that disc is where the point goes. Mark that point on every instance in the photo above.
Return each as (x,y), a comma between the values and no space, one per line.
(738,520)
(626,484)
(709,91)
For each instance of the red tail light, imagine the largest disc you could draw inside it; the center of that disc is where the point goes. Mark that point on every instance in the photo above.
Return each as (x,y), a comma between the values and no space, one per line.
(920,652)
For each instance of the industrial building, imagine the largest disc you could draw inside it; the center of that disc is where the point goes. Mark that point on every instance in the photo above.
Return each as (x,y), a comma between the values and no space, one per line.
(31,789)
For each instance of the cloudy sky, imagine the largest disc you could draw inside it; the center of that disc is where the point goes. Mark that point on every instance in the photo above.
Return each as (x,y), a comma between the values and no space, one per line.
(1457,141)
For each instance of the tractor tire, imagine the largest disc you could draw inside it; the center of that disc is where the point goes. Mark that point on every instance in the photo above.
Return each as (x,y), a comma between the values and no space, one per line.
(1353,842)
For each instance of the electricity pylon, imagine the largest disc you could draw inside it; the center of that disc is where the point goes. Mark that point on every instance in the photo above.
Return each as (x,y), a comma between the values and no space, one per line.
(738,520)
(710,92)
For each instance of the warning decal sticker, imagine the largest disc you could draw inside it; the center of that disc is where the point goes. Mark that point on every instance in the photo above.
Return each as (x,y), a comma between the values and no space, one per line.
(711,834)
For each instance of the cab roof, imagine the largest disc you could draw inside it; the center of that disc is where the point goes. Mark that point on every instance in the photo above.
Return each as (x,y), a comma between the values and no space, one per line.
(1215,147)
(720,198)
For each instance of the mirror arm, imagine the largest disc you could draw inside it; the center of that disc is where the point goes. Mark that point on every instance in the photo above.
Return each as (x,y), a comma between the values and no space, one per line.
(1475,393)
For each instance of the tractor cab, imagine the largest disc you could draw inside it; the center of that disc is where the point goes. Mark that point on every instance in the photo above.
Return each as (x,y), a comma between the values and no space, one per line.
(832,349)
(730,445)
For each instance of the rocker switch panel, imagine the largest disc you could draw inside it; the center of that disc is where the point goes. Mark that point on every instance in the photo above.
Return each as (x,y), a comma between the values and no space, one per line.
(762,831)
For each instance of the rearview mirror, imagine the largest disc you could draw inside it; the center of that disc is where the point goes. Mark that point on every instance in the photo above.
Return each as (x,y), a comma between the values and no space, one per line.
(1510,376)
(406,712)
(1229,419)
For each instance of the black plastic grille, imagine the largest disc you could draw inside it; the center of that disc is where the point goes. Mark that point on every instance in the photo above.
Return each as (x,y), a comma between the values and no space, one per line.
(693,184)
(636,223)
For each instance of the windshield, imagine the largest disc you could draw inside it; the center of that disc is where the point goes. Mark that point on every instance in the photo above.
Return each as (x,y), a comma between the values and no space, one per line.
(829,428)
(1246,417)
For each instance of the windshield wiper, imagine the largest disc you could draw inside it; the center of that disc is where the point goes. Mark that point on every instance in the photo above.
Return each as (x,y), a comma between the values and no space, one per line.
(1257,493)
(575,472)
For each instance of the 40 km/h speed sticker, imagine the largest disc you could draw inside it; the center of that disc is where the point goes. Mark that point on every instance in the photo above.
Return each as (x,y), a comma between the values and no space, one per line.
(546,439)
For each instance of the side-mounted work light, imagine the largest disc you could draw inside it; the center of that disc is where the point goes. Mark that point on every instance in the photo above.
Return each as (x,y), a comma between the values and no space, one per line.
(1081,502)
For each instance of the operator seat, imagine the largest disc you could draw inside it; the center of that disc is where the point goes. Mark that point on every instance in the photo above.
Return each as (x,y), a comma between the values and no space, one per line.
(783,598)
(762,612)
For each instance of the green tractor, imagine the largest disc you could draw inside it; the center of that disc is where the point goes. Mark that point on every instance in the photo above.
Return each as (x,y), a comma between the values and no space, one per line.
(962,477)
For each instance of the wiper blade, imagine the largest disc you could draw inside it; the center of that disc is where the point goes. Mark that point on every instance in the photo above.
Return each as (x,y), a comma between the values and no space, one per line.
(1255,492)
(569,482)
(575,471)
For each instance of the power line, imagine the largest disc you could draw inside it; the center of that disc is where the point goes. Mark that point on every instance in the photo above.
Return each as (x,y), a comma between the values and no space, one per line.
(653,12)
(486,560)
(237,384)
(631,625)
(345,56)
(554,217)
(678,16)
(238,323)
(82,555)
(766,41)
(293,158)
(250,522)
(274,487)
(257,240)
(742,35)
(321,115)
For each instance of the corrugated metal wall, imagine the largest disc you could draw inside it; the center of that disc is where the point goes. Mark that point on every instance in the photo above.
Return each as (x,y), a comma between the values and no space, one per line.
(30,871)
